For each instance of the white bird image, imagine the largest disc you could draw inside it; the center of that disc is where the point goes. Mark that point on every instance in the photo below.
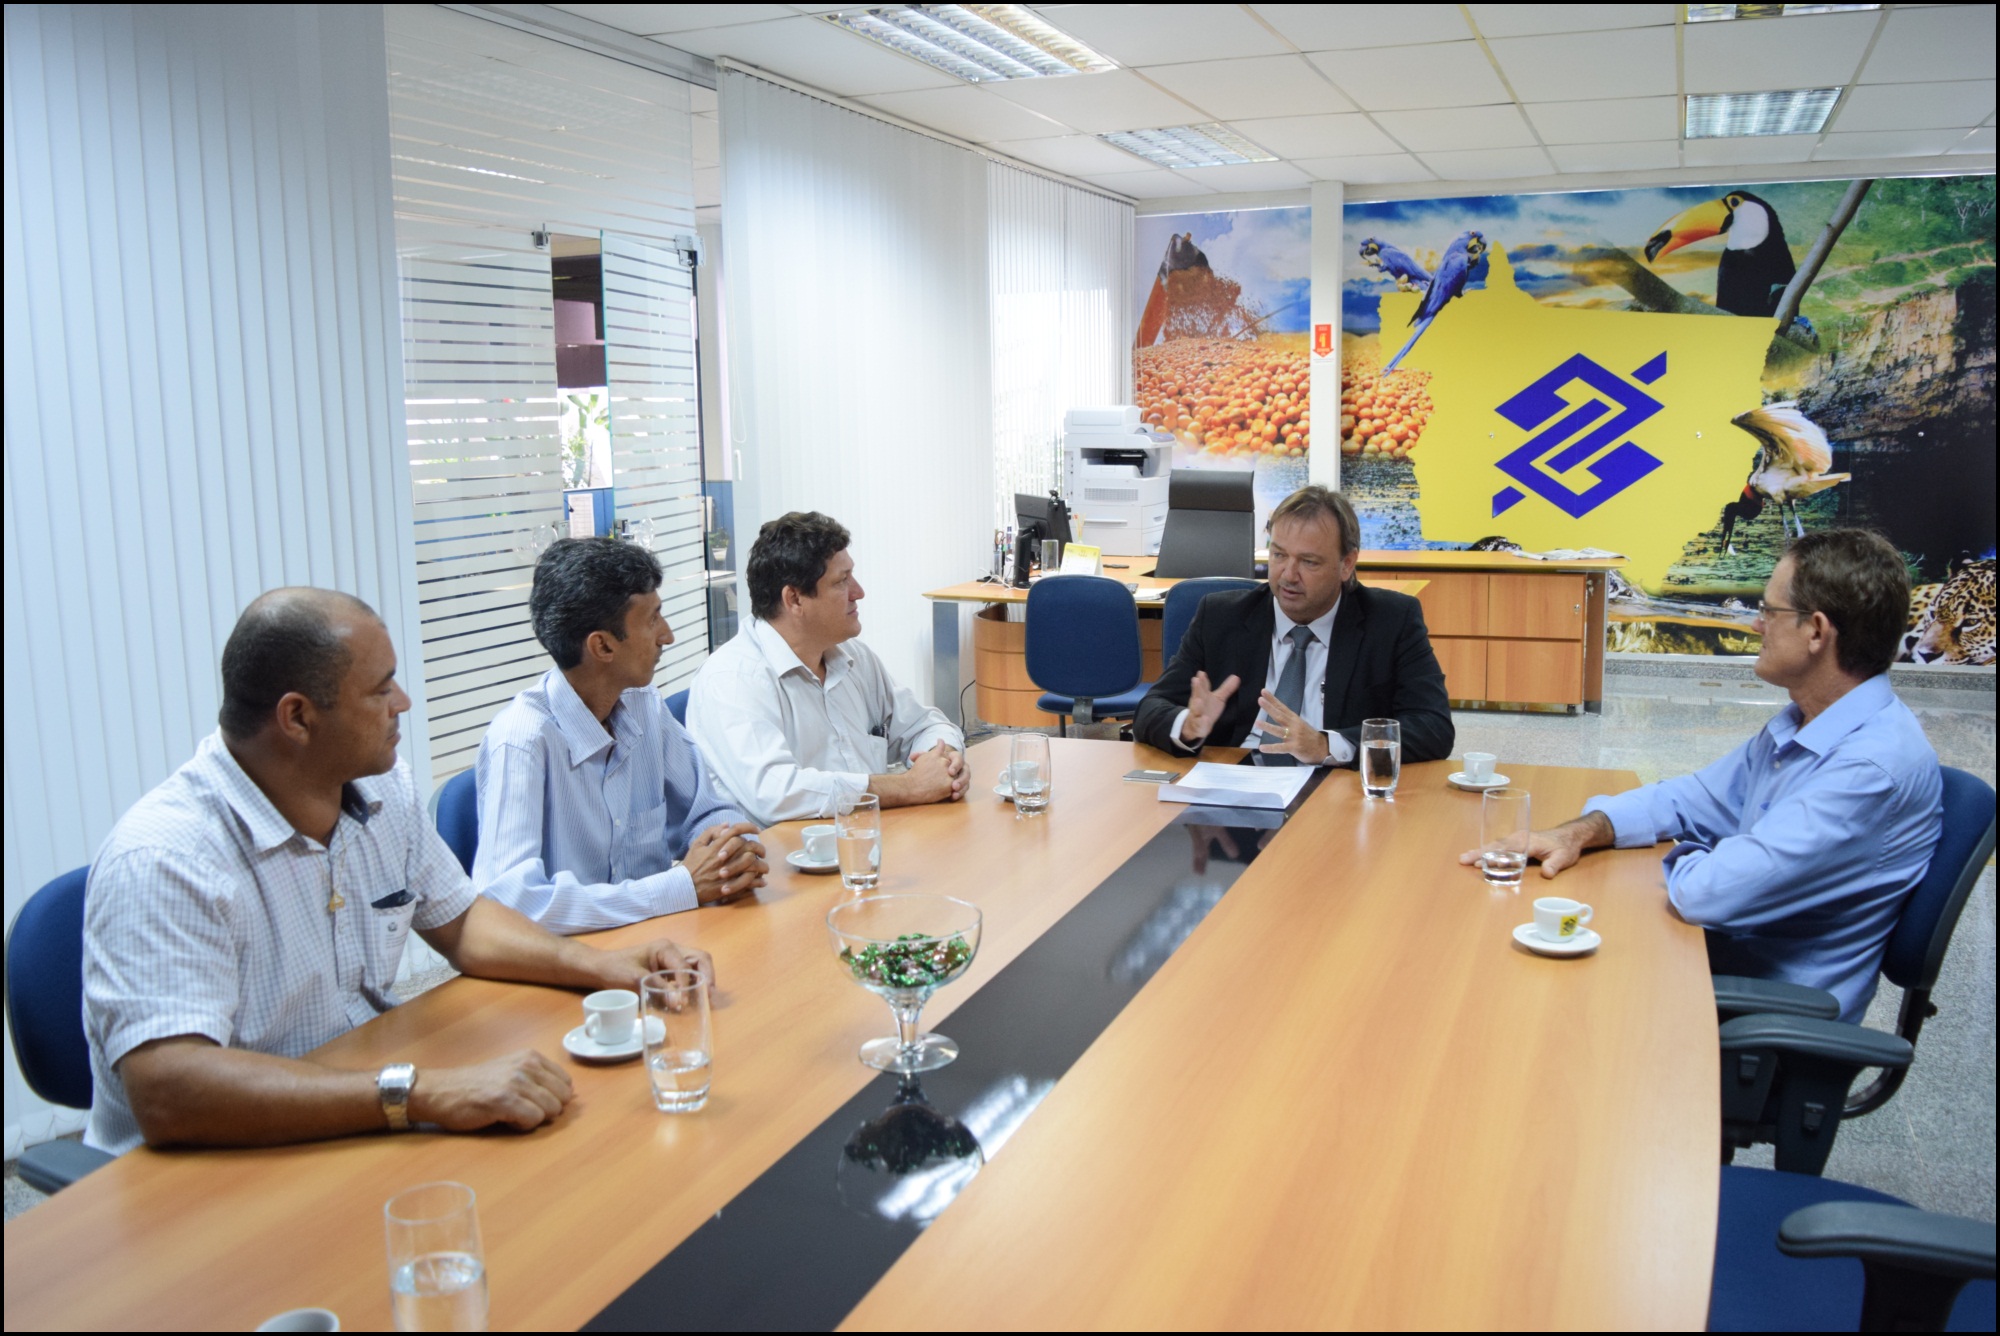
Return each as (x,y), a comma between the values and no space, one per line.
(1792,462)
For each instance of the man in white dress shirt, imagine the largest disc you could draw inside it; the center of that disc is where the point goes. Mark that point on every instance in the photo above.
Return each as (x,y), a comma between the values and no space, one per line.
(594,807)
(795,714)
(255,905)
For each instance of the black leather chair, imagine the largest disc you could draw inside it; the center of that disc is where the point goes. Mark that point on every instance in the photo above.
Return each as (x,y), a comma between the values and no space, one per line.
(1787,1065)
(1211,526)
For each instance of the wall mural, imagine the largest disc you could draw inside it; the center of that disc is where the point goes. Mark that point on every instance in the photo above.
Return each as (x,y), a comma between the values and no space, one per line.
(1550,371)
(1220,355)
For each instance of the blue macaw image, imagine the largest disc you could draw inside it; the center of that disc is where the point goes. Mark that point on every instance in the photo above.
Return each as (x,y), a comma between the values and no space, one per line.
(1462,262)
(1394,263)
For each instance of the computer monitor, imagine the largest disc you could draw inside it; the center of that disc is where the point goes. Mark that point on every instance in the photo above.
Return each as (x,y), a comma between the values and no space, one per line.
(1047,516)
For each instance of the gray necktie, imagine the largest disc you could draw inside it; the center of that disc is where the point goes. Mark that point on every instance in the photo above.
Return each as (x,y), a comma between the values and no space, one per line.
(1291,688)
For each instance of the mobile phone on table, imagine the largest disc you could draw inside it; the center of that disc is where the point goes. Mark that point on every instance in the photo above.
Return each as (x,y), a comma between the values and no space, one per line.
(1152,776)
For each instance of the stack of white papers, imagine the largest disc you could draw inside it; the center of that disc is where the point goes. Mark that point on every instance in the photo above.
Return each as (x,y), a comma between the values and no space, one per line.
(1217,785)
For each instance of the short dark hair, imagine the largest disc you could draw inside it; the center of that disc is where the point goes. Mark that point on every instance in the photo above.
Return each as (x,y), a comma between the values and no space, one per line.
(1857,578)
(287,640)
(791,551)
(1314,500)
(584,585)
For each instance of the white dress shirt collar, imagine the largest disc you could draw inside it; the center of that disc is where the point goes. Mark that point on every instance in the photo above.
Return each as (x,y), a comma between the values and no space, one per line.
(580,729)
(778,652)
(1321,626)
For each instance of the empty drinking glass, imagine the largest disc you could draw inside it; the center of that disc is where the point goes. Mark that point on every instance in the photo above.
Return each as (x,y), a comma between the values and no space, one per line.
(1029,774)
(437,1268)
(1503,836)
(857,831)
(1381,757)
(673,1012)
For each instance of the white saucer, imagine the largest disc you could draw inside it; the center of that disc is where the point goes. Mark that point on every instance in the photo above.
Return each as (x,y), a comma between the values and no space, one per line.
(1582,944)
(1460,780)
(797,858)
(579,1045)
(1004,790)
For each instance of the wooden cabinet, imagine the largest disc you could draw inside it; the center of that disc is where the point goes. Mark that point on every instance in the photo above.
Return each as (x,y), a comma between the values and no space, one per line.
(1455,602)
(1536,607)
(1464,662)
(1504,637)
(1534,672)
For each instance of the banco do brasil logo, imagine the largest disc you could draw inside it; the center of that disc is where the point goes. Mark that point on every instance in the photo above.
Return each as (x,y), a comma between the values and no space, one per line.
(1565,433)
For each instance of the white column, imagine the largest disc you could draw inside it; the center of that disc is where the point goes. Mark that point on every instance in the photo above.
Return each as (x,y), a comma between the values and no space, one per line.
(1328,200)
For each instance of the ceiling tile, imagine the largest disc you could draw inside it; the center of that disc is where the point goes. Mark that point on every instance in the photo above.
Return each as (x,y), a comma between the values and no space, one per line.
(1256,86)
(707,187)
(1979,141)
(819,54)
(1374,169)
(1352,27)
(1749,148)
(1458,128)
(1097,103)
(968,112)
(1634,62)
(649,19)
(1153,183)
(1886,144)
(1915,106)
(707,141)
(1756,55)
(1165,34)
(1643,156)
(1532,20)
(1450,74)
(1920,44)
(1607,120)
(1075,154)
(1488,164)
(1316,136)
(1246,176)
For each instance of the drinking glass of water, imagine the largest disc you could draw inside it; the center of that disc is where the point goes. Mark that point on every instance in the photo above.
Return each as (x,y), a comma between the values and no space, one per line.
(1029,774)
(1381,757)
(1503,836)
(673,1011)
(437,1268)
(857,833)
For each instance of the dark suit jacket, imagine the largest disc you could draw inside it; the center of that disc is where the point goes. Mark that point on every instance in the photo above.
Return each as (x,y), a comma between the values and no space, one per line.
(1379,665)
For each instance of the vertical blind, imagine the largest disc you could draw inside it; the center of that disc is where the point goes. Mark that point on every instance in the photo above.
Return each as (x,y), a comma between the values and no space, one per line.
(202,387)
(854,255)
(498,134)
(1061,272)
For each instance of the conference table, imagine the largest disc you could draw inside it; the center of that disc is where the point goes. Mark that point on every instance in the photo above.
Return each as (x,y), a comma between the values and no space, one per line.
(1223,1068)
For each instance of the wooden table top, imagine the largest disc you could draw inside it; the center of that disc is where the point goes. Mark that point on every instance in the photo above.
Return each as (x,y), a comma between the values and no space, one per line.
(1369,1049)
(979,591)
(1351,1100)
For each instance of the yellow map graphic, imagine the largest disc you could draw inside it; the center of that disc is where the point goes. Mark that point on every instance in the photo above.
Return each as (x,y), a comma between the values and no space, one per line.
(1488,345)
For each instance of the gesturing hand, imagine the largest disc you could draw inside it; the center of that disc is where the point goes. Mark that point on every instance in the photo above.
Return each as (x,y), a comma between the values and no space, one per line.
(1205,707)
(1295,737)
(724,865)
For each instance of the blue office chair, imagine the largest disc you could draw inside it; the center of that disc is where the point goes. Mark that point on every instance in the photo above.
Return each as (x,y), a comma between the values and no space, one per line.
(1787,1067)
(455,808)
(677,706)
(1083,648)
(1794,1252)
(1182,600)
(45,1018)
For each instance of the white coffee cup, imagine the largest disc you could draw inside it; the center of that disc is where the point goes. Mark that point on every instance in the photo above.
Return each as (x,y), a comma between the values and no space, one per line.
(1560,920)
(1024,777)
(610,1016)
(302,1319)
(1479,766)
(820,843)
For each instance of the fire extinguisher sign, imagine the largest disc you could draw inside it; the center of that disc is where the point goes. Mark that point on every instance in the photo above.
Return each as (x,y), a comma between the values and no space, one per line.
(1322,340)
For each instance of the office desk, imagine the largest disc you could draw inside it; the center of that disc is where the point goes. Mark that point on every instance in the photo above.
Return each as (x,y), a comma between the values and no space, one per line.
(1346,1098)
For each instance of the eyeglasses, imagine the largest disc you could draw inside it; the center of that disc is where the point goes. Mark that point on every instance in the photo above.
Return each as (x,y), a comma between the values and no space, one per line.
(1766,609)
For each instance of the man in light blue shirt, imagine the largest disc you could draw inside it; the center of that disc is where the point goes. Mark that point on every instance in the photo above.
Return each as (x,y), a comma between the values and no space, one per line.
(1797,850)
(589,790)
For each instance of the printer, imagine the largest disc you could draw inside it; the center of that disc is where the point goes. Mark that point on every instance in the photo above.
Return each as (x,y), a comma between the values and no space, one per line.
(1115,472)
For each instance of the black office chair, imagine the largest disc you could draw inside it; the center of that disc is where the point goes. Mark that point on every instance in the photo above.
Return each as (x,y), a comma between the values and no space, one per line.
(1787,1066)
(45,1018)
(1211,525)
(1795,1252)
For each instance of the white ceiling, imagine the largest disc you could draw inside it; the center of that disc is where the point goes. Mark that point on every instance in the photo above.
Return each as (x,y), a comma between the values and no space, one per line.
(1390,95)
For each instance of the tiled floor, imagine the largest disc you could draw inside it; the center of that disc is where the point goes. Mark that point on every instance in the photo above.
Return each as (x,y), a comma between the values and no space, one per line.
(1934,1143)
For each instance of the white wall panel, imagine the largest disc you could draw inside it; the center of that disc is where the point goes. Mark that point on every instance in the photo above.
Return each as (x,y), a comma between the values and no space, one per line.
(202,386)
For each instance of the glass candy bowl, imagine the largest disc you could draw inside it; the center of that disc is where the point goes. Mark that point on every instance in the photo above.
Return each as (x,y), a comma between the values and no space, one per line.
(905,947)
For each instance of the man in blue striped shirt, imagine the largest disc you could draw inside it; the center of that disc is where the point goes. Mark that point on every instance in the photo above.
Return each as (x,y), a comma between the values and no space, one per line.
(1797,850)
(594,806)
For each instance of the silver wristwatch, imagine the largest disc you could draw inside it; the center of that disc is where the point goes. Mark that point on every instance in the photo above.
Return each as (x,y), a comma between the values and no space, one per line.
(394,1084)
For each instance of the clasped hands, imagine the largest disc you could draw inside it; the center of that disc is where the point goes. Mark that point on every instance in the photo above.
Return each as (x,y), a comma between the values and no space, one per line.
(1294,736)
(939,774)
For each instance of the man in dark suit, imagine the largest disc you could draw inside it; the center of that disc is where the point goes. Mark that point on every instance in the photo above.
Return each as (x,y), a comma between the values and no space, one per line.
(1324,651)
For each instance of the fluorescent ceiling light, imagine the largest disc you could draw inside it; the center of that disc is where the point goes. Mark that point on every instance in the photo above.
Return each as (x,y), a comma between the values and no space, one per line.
(1209,145)
(1798,111)
(976,43)
(1718,13)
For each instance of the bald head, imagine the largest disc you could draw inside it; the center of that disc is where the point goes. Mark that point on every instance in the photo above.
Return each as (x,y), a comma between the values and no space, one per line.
(287,640)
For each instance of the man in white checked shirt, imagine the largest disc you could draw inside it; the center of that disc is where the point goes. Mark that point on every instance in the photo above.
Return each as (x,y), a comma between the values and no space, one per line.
(594,806)
(796,714)
(255,905)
